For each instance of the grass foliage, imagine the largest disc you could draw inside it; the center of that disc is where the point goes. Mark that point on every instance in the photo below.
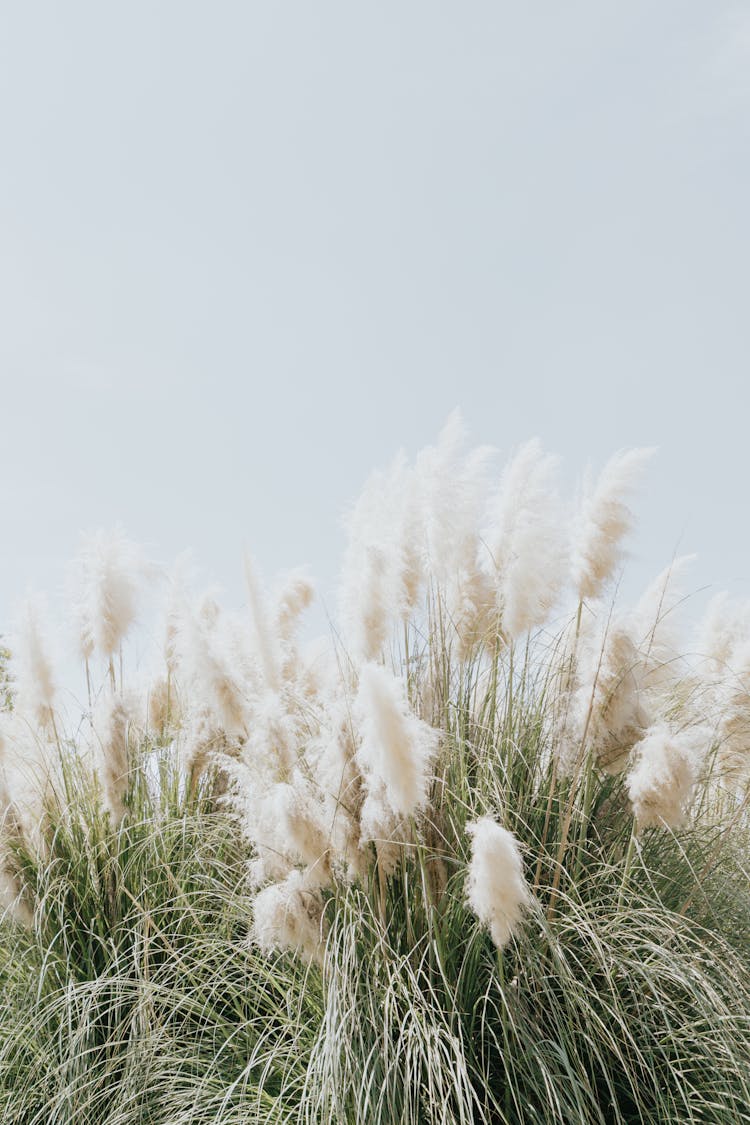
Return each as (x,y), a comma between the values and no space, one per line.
(135,995)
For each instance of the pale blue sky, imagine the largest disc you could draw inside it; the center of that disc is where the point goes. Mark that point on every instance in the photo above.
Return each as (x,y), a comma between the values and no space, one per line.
(247,250)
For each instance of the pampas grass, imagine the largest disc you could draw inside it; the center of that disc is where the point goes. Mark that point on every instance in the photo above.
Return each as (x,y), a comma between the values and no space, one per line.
(475,857)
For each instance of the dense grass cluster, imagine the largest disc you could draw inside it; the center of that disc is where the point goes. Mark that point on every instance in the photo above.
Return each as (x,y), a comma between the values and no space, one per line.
(524,898)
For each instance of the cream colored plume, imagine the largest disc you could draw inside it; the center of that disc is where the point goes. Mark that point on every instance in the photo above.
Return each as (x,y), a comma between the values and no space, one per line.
(34,678)
(496,889)
(396,748)
(176,609)
(662,781)
(111,748)
(29,765)
(289,916)
(200,740)
(163,712)
(276,793)
(294,594)
(656,624)
(611,703)
(452,491)
(722,632)
(603,521)
(265,636)
(332,760)
(296,812)
(106,581)
(211,665)
(525,541)
(383,569)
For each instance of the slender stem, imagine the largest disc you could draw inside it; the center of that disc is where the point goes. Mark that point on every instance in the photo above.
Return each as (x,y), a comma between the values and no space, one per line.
(506,1044)
(381,893)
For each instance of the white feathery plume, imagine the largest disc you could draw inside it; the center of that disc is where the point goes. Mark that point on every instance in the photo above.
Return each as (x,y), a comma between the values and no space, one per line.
(211,666)
(110,749)
(299,810)
(266,644)
(364,602)
(730,693)
(629,673)
(406,518)
(294,592)
(383,569)
(366,609)
(569,664)
(453,494)
(626,671)
(162,692)
(655,625)
(276,736)
(604,519)
(106,580)
(661,783)
(175,610)
(525,543)
(33,673)
(270,760)
(616,714)
(496,889)
(278,798)
(29,768)
(396,748)
(655,620)
(289,916)
(723,630)
(294,595)
(163,712)
(200,740)
(316,669)
(332,759)
(439,472)
(379,825)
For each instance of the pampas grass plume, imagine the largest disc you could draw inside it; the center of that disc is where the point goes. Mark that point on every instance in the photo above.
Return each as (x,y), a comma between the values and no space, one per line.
(496,890)
(33,673)
(396,747)
(110,748)
(294,596)
(209,665)
(288,915)
(604,520)
(266,646)
(106,580)
(525,540)
(661,783)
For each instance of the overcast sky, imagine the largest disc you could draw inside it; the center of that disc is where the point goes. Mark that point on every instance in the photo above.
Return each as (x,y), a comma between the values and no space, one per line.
(248,250)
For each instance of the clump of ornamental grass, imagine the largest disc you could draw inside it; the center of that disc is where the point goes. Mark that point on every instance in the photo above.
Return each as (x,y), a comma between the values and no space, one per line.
(480,856)
(133,995)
